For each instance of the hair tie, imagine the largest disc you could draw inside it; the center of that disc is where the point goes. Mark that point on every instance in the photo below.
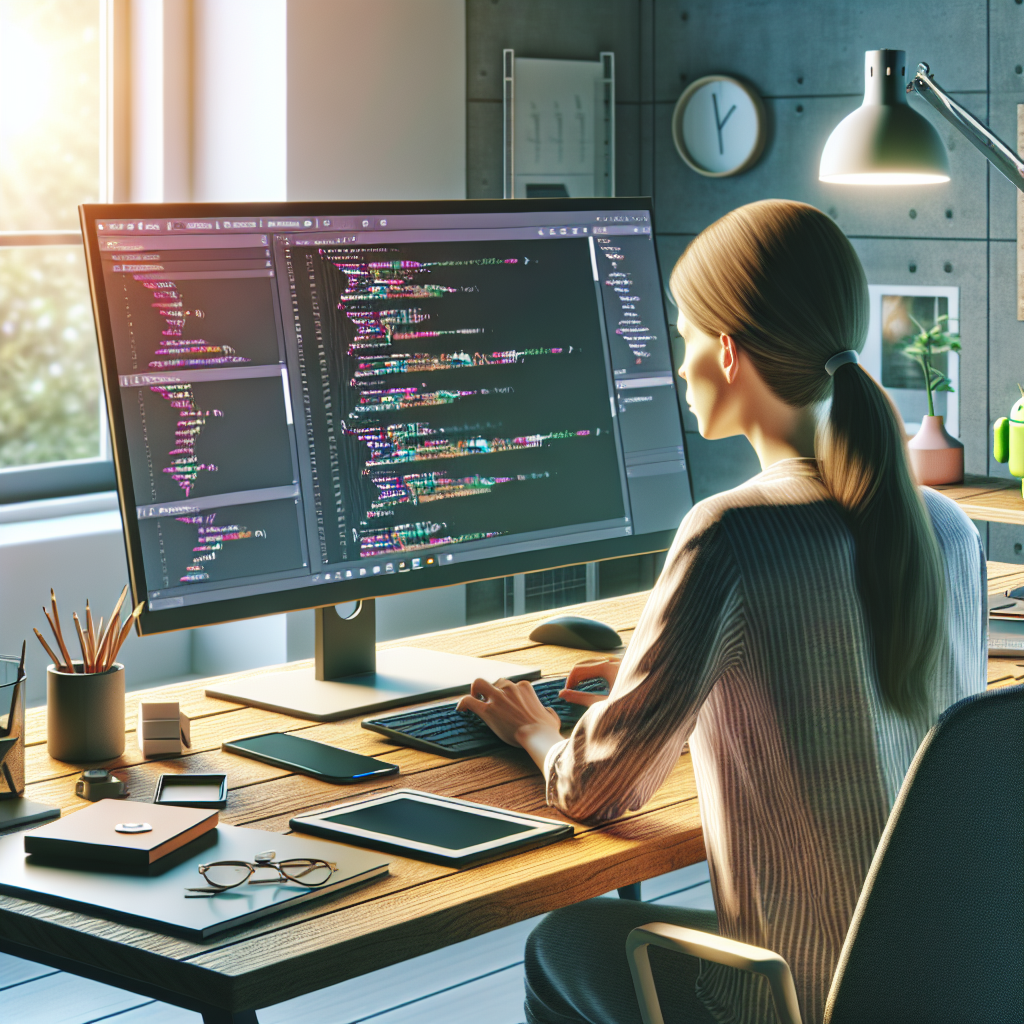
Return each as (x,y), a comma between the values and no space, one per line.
(840,359)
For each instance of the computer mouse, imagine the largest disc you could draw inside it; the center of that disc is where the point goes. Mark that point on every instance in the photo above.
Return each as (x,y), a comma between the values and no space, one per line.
(576,631)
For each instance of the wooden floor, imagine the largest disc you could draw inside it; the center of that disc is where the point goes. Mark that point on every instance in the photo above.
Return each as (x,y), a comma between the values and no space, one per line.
(450,985)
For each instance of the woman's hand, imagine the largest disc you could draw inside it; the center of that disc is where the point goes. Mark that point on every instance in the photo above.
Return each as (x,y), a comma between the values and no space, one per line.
(599,668)
(515,715)
(508,708)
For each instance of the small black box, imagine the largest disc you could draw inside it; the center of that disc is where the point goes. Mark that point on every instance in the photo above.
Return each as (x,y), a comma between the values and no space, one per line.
(192,791)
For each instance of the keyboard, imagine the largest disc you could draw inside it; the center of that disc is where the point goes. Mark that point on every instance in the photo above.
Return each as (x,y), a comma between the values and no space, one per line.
(441,729)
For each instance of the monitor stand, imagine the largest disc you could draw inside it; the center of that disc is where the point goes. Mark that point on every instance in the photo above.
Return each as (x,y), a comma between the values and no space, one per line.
(351,677)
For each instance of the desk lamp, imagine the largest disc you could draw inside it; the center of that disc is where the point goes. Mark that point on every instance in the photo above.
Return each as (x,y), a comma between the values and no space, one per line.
(886,142)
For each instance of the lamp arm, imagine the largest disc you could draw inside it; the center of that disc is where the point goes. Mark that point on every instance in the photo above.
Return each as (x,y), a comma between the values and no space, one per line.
(1004,159)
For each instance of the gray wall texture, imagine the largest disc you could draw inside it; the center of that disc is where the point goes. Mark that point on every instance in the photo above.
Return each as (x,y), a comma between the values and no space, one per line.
(805,57)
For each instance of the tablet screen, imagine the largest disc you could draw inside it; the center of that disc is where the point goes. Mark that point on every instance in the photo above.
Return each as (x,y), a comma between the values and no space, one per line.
(418,822)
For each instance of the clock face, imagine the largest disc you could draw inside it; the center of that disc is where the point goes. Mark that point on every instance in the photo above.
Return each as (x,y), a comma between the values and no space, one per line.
(718,126)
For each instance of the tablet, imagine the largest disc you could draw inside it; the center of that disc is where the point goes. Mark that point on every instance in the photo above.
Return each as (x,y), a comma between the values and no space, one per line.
(441,829)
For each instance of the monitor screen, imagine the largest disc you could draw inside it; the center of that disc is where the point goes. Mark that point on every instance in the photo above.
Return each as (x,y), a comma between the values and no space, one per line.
(312,403)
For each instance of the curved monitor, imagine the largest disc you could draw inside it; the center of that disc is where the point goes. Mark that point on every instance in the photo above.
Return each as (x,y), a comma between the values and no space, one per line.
(313,403)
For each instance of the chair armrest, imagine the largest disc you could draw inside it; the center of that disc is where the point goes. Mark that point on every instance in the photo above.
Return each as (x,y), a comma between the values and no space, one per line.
(715,948)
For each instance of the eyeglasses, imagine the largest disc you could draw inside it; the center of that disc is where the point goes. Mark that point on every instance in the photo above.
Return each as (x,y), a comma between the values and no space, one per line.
(222,875)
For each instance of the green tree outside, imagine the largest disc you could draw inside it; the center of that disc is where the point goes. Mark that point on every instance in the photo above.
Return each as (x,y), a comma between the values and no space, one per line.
(49,163)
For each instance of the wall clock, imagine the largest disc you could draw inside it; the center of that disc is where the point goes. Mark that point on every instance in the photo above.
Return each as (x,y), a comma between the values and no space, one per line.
(718,126)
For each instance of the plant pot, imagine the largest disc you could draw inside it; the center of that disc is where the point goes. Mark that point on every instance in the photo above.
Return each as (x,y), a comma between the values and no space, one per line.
(85,715)
(936,457)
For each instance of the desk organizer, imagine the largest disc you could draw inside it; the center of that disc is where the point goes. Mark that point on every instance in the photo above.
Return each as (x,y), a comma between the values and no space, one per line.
(12,729)
(85,714)
(163,730)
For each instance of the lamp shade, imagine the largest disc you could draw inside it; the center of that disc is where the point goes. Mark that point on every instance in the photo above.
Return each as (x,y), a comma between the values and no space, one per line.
(884,141)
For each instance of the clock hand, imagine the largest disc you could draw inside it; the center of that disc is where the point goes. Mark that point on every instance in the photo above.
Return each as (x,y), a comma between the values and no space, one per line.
(720,124)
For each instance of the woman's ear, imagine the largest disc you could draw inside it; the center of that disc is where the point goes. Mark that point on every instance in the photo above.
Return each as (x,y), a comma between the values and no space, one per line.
(730,358)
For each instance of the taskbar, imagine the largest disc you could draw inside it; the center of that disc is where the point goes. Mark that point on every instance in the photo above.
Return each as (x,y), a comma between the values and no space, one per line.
(401,562)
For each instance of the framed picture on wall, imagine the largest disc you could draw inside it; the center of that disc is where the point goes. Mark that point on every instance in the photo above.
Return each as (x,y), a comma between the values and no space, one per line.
(894,308)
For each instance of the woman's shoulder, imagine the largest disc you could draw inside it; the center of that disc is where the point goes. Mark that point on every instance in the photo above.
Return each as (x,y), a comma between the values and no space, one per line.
(786,483)
(948,519)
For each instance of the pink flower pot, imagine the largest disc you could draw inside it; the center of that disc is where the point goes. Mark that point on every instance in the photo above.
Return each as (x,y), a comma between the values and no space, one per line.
(936,457)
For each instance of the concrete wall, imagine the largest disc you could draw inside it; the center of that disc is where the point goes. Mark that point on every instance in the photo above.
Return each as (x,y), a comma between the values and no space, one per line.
(805,57)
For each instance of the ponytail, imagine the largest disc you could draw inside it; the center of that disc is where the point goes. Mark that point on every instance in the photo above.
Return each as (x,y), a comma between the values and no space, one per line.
(784,282)
(862,457)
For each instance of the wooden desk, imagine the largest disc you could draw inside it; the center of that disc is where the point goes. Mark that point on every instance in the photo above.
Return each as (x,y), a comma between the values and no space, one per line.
(988,499)
(420,907)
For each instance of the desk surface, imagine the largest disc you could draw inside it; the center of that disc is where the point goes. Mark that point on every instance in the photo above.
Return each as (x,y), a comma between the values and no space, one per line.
(418,908)
(988,499)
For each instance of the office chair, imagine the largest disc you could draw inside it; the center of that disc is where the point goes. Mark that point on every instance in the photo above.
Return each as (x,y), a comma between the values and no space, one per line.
(938,931)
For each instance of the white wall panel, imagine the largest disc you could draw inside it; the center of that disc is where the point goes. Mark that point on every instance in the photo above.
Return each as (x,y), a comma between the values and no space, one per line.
(376,99)
(240,100)
(161,78)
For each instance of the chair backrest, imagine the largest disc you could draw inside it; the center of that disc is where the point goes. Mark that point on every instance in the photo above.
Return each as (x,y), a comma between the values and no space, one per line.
(938,933)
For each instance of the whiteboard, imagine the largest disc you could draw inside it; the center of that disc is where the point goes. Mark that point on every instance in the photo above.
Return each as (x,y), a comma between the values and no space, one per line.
(562,128)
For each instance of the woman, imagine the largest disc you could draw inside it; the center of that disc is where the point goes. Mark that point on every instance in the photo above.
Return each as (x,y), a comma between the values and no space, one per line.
(807,629)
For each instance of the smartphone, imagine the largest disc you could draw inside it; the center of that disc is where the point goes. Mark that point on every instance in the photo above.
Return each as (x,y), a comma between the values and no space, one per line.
(319,760)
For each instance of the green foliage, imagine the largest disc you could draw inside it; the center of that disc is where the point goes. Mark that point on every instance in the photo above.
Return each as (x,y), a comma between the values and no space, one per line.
(49,163)
(50,384)
(923,347)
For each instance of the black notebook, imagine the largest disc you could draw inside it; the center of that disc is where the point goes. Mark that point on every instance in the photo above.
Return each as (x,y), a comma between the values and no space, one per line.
(159,903)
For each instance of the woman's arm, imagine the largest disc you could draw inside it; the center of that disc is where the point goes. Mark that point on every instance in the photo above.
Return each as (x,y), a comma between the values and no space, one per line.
(622,749)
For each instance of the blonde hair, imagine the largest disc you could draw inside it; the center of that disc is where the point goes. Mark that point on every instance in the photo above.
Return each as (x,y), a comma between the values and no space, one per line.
(784,282)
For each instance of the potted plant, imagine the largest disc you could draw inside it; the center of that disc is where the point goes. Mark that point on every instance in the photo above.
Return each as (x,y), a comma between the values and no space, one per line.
(936,457)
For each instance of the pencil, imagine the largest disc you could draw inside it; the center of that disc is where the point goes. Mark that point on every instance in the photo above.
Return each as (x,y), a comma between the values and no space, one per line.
(86,658)
(46,647)
(63,666)
(90,632)
(120,601)
(21,664)
(113,615)
(124,632)
(57,631)
(113,628)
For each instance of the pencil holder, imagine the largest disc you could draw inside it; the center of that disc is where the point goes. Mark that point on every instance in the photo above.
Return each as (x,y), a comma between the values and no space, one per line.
(12,729)
(85,714)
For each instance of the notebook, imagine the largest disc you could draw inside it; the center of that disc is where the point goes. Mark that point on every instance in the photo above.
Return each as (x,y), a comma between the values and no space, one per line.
(120,833)
(1005,627)
(159,903)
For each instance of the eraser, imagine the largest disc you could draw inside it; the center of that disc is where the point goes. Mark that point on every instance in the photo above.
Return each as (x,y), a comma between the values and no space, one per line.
(149,709)
(168,735)
(160,728)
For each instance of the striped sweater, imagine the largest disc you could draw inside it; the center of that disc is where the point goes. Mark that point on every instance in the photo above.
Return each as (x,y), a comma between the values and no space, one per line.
(754,647)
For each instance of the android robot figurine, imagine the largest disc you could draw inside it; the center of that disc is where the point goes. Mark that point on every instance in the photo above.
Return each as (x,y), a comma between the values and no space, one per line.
(1008,438)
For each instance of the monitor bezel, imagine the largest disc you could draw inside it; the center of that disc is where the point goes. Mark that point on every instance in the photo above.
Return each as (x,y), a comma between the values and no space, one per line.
(302,597)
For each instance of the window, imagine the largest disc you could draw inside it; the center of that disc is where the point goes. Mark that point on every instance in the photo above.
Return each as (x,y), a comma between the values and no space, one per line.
(53,434)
